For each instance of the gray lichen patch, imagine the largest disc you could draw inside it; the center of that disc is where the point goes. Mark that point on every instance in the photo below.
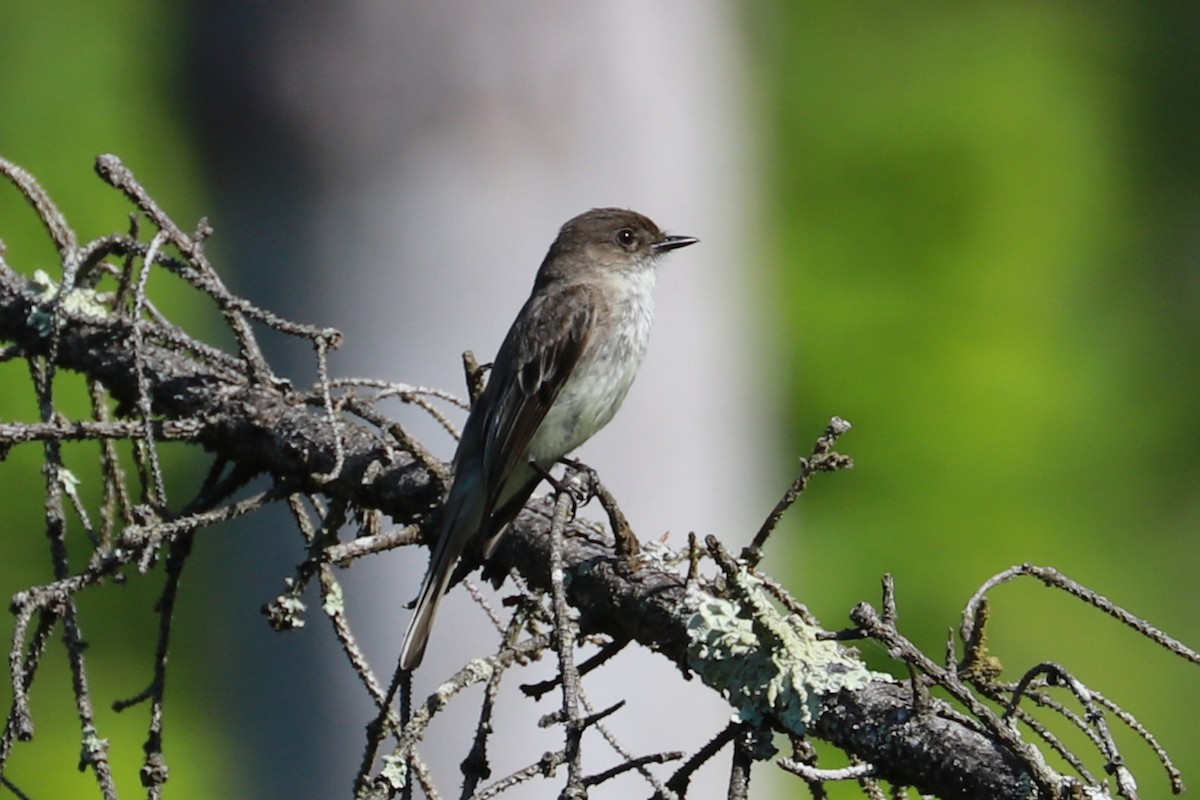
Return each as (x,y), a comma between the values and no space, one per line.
(765,663)
(78,302)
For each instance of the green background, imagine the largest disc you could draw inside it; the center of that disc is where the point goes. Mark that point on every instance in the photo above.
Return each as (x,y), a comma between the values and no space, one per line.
(981,250)
(77,80)
(983,225)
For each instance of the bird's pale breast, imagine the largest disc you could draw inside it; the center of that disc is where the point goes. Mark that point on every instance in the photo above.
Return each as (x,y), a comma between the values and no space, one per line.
(601,379)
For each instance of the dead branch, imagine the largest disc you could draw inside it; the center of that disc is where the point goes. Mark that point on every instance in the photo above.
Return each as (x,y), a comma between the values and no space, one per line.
(335,459)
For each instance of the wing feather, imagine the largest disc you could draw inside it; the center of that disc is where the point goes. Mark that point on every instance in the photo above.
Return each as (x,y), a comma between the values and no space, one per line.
(535,361)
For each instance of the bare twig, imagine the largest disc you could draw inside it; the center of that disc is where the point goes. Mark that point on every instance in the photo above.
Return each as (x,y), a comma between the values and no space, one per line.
(335,457)
(564,644)
(1054,578)
(823,459)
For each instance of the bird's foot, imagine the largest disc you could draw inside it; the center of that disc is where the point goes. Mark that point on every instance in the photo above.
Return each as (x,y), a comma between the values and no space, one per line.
(626,540)
(575,484)
(582,481)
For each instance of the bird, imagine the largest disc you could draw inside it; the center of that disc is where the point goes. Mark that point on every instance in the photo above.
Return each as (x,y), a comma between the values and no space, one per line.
(559,376)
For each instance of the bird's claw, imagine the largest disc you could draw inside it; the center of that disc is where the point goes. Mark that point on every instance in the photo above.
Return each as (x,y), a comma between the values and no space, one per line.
(578,484)
(582,480)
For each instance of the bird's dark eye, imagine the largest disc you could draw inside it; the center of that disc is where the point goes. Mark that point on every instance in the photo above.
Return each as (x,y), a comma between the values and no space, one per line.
(626,237)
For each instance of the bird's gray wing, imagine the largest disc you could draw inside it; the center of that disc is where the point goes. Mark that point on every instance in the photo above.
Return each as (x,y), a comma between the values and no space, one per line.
(492,480)
(532,367)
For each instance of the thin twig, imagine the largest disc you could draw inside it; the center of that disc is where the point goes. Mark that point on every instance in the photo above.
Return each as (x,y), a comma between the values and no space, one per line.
(1052,577)
(678,783)
(564,644)
(823,459)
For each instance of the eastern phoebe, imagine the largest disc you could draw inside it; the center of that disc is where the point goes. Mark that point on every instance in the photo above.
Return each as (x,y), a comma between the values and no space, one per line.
(560,376)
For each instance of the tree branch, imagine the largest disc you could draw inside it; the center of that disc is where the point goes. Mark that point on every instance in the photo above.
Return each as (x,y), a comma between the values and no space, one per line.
(267,428)
(331,447)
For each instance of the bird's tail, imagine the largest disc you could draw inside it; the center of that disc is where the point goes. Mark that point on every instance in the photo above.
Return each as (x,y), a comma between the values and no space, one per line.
(463,516)
(417,635)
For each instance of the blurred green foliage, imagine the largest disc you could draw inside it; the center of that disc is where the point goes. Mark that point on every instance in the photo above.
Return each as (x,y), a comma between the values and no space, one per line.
(78,80)
(981,221)
(982,237)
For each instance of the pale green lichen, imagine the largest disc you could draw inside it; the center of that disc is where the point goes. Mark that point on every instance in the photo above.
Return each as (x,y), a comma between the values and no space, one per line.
(395,771)
(67,479)
(767,663)
(77,302)
(477,670)
(333,603)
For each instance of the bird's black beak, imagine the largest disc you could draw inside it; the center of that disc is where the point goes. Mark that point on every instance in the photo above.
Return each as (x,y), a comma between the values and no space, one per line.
(673,243)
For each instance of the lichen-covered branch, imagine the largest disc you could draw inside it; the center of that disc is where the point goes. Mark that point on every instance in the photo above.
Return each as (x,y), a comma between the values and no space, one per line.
(341,466)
